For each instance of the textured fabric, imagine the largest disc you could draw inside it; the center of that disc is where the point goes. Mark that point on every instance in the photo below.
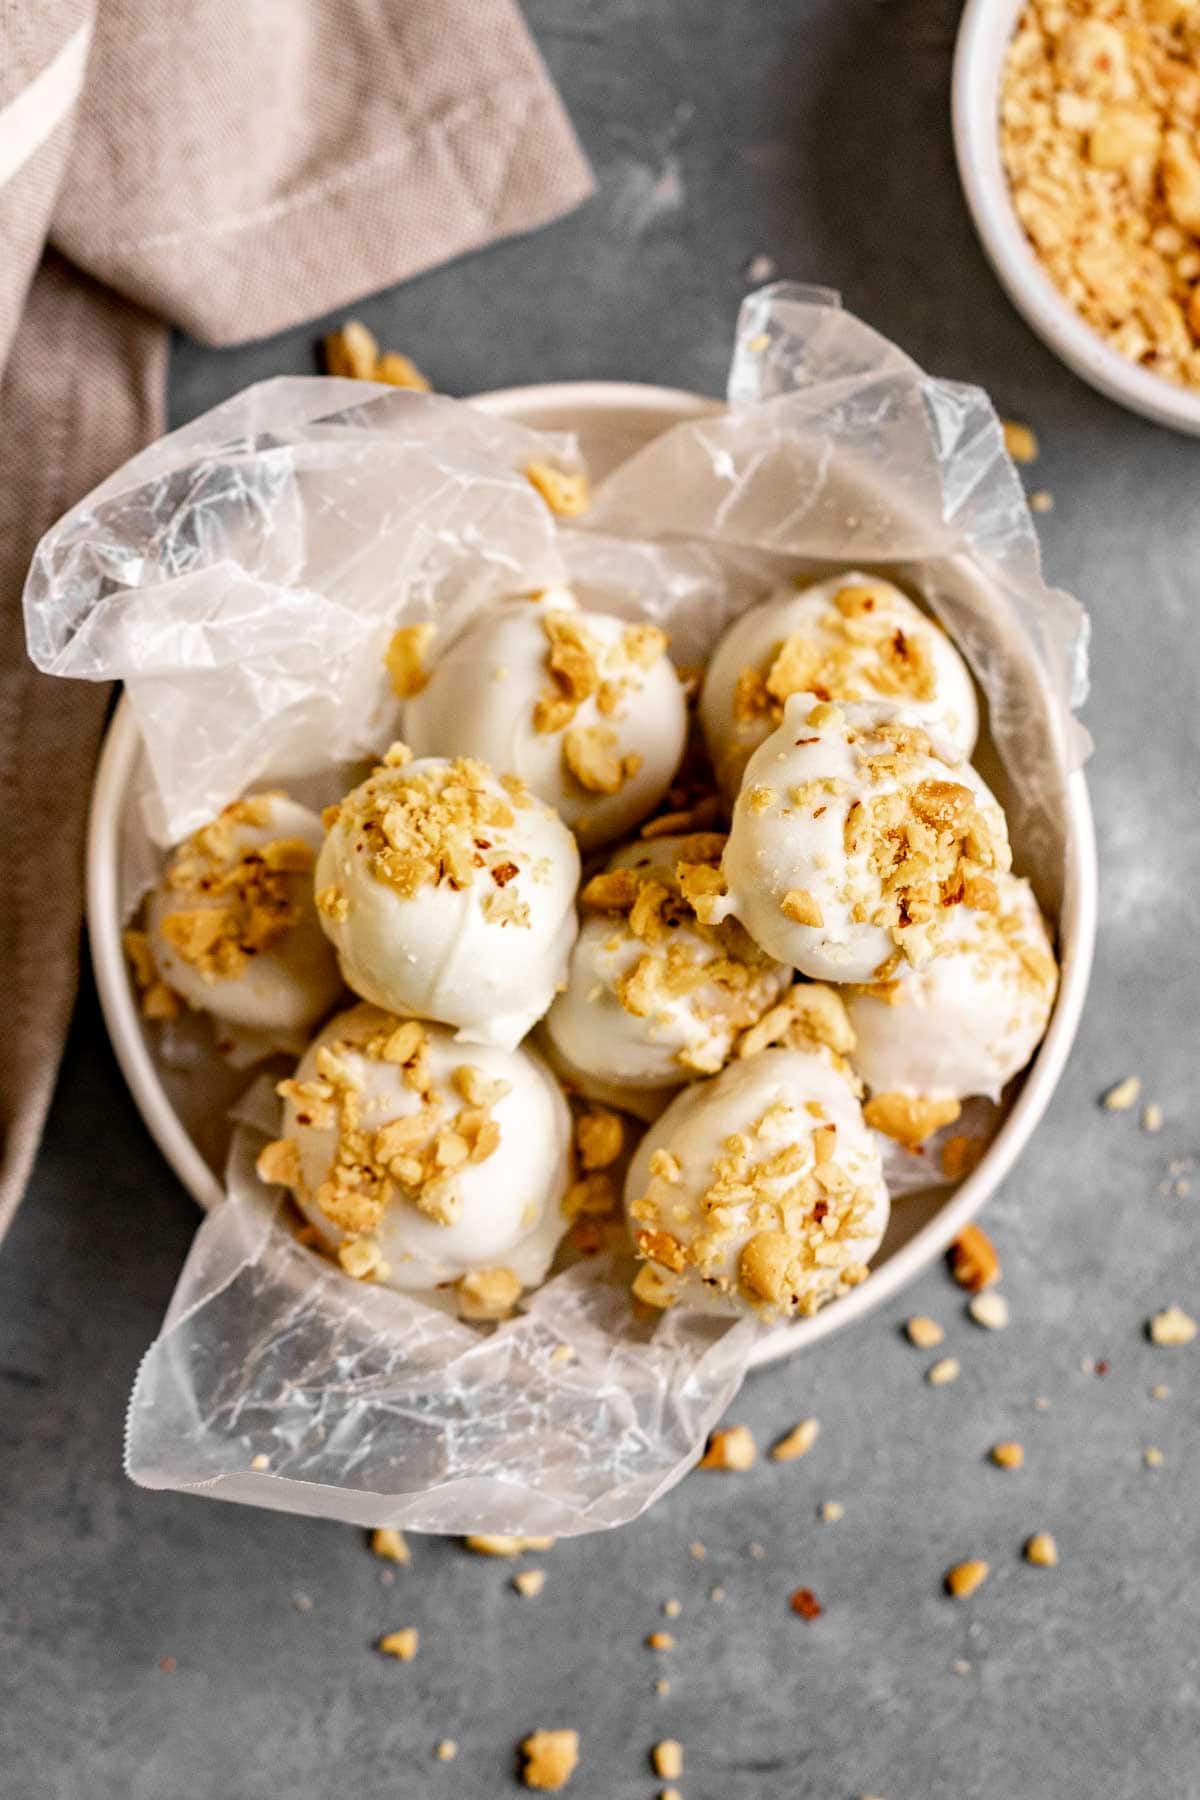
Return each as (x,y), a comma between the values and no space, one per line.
(230,169)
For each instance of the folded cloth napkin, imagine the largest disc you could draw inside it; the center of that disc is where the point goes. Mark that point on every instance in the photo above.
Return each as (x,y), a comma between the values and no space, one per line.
(230,170)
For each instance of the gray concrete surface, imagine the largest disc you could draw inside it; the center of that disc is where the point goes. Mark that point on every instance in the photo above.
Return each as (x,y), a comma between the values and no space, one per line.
(814,131)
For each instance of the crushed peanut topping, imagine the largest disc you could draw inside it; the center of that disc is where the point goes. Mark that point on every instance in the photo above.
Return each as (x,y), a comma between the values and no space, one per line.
(797,1442)
(592,755)
(801,907)
(965,1577)
(415,1156)
(529,1583)
(731,1449)
(551,1758)
(1098,128)
(404,658)
(1019,441)
(278,1164)
(353,351)
(158,1001)
(1041,1550)
(974,1263)
(853,650)
(1007,1455)
(660,1640)
(390,1545)
(941,1373)
(488,1293)
(810,1014)
(401,1644)
(989,1309)
(491,1544)
(243,901)
(961,1154)
(909,1118)
(565,491)
(421,827)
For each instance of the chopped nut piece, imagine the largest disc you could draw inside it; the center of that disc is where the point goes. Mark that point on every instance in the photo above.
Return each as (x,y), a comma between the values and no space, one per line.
(805,1603)
(1042,1550)
(353,351)
(832,1511)
(1020,442)
(939,1373)
(401,1644)
(490,1544)
(801,907)
(1007,1455)
(660,1640)
(925,1333)
(974,1263)
(278,1164)
(565,492)
(399,371)
(1152,1116)
(447,1750)
(260,1462)
(732,1449)
(798,1441)
(550,1759)
(1152,1457)
(909,1118)
(529,1583)
(698,1551)
(1040,501)
(1171,1328)
(390,1544)
(488,1293)
(404,658)
(361,1258)
(963,1579)
(960,1154)
(1123,1096)
(601,1138)
(667,1758)
(672,1608)
(989,1310)
(590,752)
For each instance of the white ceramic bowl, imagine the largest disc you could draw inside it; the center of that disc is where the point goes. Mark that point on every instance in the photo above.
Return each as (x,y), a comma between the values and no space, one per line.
(983,38)
(184,1106)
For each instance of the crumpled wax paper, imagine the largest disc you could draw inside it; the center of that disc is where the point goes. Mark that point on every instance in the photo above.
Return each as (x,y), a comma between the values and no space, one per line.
(243,576)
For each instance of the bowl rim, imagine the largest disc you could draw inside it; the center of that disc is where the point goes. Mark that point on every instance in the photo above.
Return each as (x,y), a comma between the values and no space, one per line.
(984,33)
(1077,930)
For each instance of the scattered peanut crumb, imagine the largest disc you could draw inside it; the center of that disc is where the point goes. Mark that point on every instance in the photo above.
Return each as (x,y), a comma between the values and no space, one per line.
(989,1309)
(660,1640)
(446,1751)
(1123,1096)
(671,1609)
(400,1644)
(1040,501)
(662,1685)
(1152,1457)
(805,1604)
(404,658)
(1020,442)
(798,1441)
(717,1596)
(260,1461)
(963,1579)
(974,1263)
(732,1449)
(1042,1550)
(1160,1391)
(670,1794)
(946,1369)
(1152,1116)
(698,1551)
(925,1333)
(565,491)
(667,1758)
(354,352)
(390,1544)
(550,1759)
(756,1551)
(1041,1404)
(488,1294)
(529,1583)
(491,1544)
(1172,1328)
(832,1511)
(1007,1454)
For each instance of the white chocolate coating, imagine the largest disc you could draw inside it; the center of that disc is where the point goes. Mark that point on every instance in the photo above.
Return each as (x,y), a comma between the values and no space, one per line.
(509,1205)
(851,637)
(756,1204)
(482,694)
(850,838)
(970,1019)
(600,1026)
(474,922)
(280,989)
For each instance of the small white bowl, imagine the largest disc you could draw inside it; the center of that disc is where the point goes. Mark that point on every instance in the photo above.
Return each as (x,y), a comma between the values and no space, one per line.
(983,37)
(184,1106)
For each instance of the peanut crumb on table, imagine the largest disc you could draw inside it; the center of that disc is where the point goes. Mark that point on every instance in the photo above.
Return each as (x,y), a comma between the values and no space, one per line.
(1171,1328)
(1020,441)
(529,1583)
(940,1373)
(731,1449)
(550,1759)
(965,1577)
(446,1751)
(660,1640)
(1124,1095)
(667,1758)
(974,1263)
(989,1309)
(494,1544)
(390,1544)
(832,1511)
(402,1644)
(1152,1116)
(1007,1454)
(798,1441)
(1041,1550)
(925,1333)
(1152,1457)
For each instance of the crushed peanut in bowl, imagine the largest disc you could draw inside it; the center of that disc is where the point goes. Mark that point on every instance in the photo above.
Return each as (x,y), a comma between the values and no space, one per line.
(1100,141)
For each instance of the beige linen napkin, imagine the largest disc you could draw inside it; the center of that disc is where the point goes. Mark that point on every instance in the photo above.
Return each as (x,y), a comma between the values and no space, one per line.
(230,169)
